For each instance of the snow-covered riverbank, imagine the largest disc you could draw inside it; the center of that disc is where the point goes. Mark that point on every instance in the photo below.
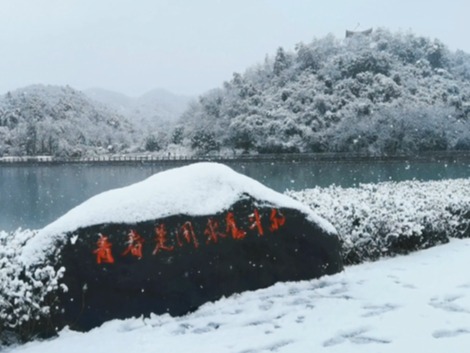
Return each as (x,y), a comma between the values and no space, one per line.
(416,302)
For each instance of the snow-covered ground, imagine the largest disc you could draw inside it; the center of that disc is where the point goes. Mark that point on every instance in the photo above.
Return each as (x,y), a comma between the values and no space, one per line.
(414,303)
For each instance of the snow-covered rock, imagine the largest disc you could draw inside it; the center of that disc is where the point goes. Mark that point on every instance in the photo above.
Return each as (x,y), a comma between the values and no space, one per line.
(177,240)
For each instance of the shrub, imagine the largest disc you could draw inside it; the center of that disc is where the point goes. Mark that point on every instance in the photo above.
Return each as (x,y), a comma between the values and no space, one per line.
(27,294)
(390,218)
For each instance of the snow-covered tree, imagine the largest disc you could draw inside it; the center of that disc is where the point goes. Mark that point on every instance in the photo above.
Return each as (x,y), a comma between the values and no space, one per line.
(343,95)
(59,121)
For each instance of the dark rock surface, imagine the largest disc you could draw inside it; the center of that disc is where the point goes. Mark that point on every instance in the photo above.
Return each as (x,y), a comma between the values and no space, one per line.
(175,264)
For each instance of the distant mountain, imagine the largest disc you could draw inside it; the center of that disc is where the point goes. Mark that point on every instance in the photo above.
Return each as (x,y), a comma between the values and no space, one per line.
(59,121)
(117,101)
(153,109)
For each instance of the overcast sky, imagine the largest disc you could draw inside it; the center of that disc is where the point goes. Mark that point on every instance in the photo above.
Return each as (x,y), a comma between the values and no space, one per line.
(189,46)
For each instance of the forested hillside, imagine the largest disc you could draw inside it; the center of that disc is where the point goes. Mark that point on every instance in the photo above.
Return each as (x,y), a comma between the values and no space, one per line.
(383,93)
(59,121)
(380,94)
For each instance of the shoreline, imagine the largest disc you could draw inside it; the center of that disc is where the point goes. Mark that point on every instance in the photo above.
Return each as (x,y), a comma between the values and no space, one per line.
(286,157)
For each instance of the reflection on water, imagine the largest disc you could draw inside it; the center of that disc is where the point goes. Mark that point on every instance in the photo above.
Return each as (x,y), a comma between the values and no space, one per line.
(33,196)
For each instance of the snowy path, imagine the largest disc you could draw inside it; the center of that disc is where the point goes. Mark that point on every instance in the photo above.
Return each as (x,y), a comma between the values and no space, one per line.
(415,303)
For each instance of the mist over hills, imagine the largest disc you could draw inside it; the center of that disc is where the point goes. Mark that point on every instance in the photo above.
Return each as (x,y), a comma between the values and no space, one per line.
(382,93)
(118,101)
(157,106)
(65,122)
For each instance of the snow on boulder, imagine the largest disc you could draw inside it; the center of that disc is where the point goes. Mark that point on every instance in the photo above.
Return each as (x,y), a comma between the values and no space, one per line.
(177,240)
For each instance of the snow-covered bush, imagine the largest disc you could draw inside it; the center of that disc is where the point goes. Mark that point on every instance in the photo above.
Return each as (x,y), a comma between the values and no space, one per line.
(27,295)
(390,218)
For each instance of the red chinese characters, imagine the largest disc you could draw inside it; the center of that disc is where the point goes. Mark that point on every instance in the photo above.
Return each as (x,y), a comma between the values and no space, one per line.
(161,239)
(255,220)
(187,231)
(135,244)
(255,224)
(277,220)
(212,231)
(103,252)
(232,227)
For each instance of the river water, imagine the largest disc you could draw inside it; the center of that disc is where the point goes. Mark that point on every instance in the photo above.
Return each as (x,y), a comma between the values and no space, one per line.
(31,196)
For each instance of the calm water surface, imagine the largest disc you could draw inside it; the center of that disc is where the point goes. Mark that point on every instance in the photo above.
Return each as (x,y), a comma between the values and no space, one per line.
(31,196)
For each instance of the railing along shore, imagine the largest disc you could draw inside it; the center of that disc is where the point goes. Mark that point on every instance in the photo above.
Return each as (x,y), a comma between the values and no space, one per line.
(285,157)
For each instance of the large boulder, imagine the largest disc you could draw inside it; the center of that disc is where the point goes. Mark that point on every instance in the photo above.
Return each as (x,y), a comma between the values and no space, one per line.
(177,240)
